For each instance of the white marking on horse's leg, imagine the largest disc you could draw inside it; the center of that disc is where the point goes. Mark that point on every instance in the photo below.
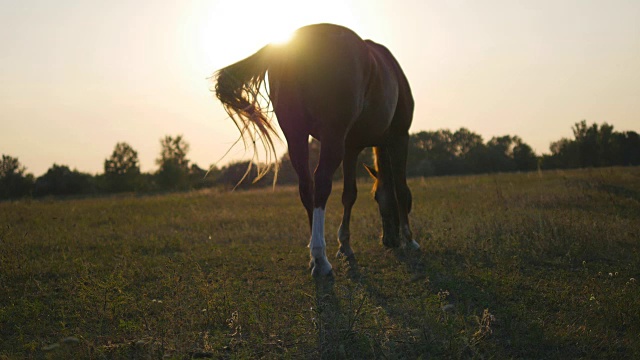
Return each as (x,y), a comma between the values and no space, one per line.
(319,263)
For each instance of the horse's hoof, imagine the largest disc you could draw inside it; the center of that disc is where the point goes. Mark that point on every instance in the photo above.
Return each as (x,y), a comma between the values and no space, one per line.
(390,243)
(320,267)
(319,275)
(413,245)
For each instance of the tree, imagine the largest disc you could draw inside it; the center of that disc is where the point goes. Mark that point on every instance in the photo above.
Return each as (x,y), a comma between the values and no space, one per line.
(464,141)
(594,146)
(122,169)
(201,178)
(174,165)
(60,180)
(608,147)
(499,154)
(13,181)
(470,151)
(286,172)
(432,153)
(629,146)
(524,157)
(442,152)
(235,175)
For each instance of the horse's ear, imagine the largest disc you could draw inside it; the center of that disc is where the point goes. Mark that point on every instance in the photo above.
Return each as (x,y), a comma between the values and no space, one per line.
(372,172)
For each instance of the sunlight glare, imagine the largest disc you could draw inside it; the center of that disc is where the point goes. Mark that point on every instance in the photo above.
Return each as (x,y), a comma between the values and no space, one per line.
(227,31)
(282,37)
(220,32)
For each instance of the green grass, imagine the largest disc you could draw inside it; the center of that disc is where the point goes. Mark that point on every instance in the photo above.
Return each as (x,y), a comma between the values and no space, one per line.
(526,266)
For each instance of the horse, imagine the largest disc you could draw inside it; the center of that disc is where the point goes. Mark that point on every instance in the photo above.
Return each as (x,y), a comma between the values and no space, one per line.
(348,93)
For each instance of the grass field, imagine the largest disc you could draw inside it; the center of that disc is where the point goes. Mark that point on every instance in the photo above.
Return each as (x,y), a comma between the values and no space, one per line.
(524,266)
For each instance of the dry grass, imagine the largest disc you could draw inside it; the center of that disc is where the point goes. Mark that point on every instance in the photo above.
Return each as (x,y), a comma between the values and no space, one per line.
(512,266)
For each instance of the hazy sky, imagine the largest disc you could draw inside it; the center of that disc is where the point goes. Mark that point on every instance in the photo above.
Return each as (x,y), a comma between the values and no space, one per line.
(76,77)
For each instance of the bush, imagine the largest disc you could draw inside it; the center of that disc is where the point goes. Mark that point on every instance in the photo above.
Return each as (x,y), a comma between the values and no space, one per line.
(13,181)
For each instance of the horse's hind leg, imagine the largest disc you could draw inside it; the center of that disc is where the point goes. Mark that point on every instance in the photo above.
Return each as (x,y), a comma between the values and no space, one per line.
(331,154)
(299,155)
(349,195)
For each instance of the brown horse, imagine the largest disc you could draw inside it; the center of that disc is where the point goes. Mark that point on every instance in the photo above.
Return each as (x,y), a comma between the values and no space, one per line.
(349,94)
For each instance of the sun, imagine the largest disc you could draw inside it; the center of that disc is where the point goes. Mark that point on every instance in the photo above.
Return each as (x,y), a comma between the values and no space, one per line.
(281,37)
(227,31)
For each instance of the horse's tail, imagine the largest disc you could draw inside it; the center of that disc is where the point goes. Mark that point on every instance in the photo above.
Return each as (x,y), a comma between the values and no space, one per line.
(242,90)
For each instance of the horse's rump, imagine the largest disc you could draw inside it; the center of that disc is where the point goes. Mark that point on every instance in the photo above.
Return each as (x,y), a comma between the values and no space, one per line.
(324,65)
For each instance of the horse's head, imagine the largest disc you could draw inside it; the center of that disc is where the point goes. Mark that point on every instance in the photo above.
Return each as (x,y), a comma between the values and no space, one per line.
(384,193)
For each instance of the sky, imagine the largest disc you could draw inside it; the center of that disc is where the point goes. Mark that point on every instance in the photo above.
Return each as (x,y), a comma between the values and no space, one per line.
(76,77)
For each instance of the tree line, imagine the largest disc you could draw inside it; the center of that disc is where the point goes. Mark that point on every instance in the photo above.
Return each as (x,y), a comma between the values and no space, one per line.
(430,153)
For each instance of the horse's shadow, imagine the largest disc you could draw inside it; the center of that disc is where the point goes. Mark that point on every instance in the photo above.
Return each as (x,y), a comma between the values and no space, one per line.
(337,313)
(326,313)
(406,319)
(416,331)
